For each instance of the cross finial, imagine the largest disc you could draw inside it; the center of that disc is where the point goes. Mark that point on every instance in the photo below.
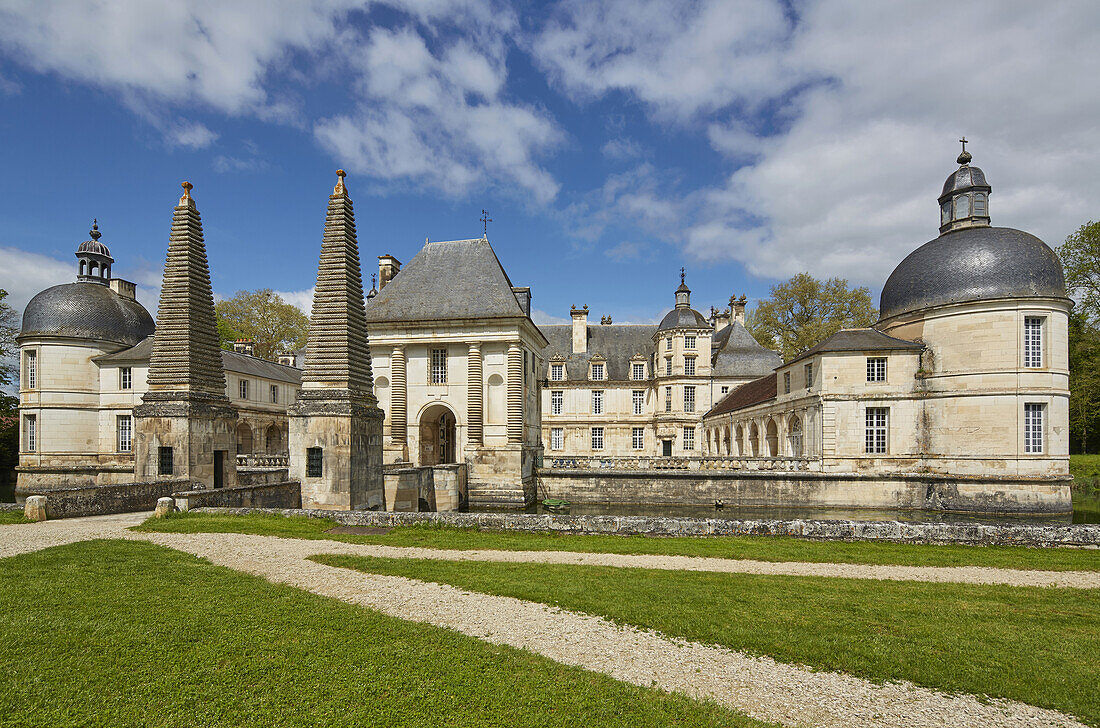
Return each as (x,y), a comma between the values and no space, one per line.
(681,276)
(485,220)
(963,140)
(965,157)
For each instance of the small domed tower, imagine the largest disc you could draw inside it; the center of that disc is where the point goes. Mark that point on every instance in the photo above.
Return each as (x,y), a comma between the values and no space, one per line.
(94,259)
(965,198)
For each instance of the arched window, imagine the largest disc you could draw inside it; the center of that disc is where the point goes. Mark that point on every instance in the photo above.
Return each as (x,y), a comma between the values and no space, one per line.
(773,439)
(739,436)
(794,436)
(754,440)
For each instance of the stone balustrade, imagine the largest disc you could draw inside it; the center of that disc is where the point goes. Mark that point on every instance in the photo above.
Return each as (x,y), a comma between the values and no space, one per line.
(259,460)
(583,462)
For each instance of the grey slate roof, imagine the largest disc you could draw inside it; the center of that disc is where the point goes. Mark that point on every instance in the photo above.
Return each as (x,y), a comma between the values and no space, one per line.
(736,353)
(86,311)
(457,279)
(964,178)
(859,340)
(231,362)
(971,264)
(616,343)
(683,318)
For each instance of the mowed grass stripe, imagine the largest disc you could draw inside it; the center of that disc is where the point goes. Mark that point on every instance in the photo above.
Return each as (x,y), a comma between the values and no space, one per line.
(113,633)
(1037,646)
(763,548)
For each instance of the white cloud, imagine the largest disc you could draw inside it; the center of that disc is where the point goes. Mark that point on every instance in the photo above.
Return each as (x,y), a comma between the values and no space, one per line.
(438,120)
(26,274)
(624,251)
(620,149)
(541,318)
(303,300)
(192,135)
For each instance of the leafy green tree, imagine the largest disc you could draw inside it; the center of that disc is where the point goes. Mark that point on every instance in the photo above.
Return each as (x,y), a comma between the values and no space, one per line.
(274,325)
(9,405)
(804,311)
(1081,261)
(1084,384)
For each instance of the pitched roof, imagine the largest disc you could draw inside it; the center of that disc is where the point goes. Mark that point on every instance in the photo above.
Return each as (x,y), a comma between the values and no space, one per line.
(616,343)
(859,340)
(457,279)
(754,392)
(231,362)
(737,353)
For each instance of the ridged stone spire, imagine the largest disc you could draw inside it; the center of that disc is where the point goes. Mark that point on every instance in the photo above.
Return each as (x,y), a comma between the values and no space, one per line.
(337,356)
(186,355)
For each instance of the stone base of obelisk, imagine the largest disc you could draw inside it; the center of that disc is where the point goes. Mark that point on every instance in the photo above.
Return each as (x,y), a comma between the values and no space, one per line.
(336,451)
(185,436)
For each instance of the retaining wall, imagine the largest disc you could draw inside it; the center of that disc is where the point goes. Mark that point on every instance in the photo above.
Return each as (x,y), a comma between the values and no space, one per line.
(98,500)
(942,533)
(287,494)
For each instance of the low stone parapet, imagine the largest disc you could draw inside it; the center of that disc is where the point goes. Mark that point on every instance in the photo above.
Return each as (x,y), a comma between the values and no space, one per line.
(98,500)
(286,494)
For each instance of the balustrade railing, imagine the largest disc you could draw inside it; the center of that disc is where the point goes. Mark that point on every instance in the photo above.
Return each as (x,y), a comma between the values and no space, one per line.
(587,462)
(257,460)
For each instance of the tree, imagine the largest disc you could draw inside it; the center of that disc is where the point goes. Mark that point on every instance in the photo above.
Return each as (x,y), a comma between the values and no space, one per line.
(9,405)
(804,311)
(274,325)
(1081,261)
(1084,383)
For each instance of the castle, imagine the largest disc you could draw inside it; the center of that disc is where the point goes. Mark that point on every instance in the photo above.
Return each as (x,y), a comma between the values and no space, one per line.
(956,398)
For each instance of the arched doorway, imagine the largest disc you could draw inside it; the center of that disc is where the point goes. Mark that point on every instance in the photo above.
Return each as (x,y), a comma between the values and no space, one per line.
(244,439)
(794,436)
(754,440)
(274,440)
(437,435)
(773,439)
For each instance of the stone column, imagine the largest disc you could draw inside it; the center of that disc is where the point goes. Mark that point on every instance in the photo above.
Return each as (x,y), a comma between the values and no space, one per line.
(399,397)
(515,394)
(475,412)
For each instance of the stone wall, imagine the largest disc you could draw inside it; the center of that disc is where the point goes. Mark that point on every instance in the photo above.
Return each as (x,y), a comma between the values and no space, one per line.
(100,500)
(439,488)
(941,533)
(806,489)
(261,476)
(285,494)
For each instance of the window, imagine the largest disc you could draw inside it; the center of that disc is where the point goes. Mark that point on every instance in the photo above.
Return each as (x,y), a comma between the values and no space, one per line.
(637,371)
(689,438)
(877,424)
(439,366)
(314,462)
(30,433)
(786,382)
(668,399)
(274,394)
(962,207)
(597,372)
(809,375)
(979,204)
(1033,427)
(876,369)
(164,460)
(125,378)
(597,401)
(125,428)
(689,366)
(637,398)
(668,344)
(557,372)
(945,213)
(242,388)
(637,438)
(31,377)
(689,399)
(689,342)
(597,438)
(1033,341)
(725,389)
(668,366)
(557,397)
(557,438)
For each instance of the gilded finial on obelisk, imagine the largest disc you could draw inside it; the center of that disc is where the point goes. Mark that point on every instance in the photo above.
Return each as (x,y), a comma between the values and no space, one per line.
(339,189)
(186,199)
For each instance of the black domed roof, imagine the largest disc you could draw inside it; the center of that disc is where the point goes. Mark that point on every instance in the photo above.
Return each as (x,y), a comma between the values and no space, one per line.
(93,246)
(683,318)
(964,178)
(86,311)
(971,264)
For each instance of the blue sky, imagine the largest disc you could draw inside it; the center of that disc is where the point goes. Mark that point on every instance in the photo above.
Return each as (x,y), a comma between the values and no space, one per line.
(611,142)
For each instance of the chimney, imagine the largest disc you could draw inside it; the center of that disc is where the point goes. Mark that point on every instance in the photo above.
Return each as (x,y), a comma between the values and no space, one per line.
(126,289)
(388,267)
(244,346)
(722,319)
(523,295)
(580,329)
(288,360)
(605,320)
(737,305)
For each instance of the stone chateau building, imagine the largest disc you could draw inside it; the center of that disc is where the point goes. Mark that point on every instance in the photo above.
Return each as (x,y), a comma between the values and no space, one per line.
(956,398)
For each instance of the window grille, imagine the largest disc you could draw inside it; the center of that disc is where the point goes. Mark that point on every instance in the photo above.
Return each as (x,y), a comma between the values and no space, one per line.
(689,438)
(668,399)
(242,388)
(125,378)
(439,366)
(876,369)
(557,438)
(164,461)
(274,394)
(786,382)
(597,402)
(809,375)
(689,366)
(668,344)
(125,433)
(638,371)
(597,372)
(314,462)
(557,372)
(32,370)
(638,400)
(668,366)
(689,342)
(1033,342)
(689,399)
(1033,427)
(877,426)
(637,438)
(557,397)
(597,438)
(30,433)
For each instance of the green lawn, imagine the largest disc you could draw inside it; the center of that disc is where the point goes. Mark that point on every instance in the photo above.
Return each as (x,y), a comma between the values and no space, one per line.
(114,633)
(12,517)
(1029,644)
(765,548)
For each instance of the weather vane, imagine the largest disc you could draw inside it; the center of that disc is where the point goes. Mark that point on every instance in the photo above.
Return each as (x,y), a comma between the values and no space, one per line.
(485,220)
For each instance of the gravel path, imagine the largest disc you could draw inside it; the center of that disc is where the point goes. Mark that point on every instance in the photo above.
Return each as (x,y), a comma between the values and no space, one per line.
(756,686)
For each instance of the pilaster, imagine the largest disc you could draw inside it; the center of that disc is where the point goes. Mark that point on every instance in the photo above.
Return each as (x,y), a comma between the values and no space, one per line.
(475,417)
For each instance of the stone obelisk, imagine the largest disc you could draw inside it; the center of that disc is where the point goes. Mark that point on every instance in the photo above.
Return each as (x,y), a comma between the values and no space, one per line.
(335,424)
(185,427)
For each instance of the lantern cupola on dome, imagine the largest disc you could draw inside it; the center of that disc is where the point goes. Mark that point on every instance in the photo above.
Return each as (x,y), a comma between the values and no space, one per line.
(965,198)
(94,259)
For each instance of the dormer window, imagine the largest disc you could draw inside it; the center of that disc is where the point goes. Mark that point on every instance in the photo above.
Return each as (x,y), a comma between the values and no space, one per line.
(557,372)
(597,372)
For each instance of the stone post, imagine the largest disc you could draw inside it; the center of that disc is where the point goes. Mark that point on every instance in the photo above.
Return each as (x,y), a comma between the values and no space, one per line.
(515,394)
(35,508)
(474,398)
